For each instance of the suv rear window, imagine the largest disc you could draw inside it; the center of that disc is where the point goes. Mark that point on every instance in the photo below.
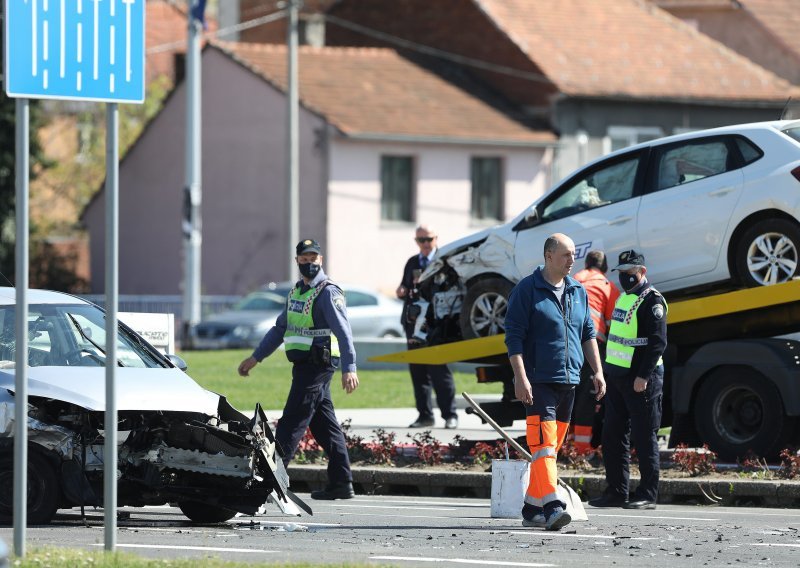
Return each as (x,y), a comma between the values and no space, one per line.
(793,133)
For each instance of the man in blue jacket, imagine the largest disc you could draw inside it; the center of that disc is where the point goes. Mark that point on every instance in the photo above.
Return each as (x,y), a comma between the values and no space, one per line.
(549,333)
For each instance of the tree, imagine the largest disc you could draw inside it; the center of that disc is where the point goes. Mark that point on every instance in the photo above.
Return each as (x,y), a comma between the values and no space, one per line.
(8,175)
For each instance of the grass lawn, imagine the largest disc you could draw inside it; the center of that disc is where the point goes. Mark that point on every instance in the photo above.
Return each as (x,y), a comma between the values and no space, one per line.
(269,382)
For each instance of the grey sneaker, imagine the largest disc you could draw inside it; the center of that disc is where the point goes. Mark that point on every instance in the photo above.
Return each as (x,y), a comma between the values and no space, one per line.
(538,521)
(558,519)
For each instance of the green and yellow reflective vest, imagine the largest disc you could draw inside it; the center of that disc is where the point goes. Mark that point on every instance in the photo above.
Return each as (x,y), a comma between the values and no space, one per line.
(622,335)
(300,329)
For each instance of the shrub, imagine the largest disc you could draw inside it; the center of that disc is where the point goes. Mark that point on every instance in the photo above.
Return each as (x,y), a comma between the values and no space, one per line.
(695,462)
(382,450)
(429,449)
(308,451)
(790,464)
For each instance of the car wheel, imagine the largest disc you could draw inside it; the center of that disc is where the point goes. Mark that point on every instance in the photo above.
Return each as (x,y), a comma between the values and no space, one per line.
(483,312)
(739,410)
(43,488)
(768,253)
(203,513)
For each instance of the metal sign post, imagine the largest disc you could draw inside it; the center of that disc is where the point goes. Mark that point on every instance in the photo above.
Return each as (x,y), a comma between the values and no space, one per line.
(79,50)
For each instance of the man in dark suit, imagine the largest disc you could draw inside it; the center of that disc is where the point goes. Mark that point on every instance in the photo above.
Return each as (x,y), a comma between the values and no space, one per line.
(426,377)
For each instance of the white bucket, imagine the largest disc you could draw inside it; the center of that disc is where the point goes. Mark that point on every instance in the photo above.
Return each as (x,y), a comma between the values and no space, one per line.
(509,483)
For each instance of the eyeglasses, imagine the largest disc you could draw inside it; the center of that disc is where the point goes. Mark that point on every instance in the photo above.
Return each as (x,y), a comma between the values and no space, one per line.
(424,239)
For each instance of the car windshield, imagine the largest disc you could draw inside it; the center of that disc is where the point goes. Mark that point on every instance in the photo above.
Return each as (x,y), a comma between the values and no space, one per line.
(263,301)
(69,335)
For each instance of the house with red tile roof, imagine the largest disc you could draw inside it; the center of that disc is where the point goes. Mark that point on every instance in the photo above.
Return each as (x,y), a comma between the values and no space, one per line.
(386,143)
(602,73)
(764,31)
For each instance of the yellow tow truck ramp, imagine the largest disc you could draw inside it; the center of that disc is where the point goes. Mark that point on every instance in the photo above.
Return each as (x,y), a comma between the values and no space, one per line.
(766,311)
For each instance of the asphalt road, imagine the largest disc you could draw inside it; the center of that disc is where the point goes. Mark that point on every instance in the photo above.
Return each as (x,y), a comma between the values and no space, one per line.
(407,531)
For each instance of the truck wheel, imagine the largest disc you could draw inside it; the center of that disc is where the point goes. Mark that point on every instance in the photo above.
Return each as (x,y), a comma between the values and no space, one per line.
(768,253)
(483,312)
(739,410)
(43,489)
(203,513)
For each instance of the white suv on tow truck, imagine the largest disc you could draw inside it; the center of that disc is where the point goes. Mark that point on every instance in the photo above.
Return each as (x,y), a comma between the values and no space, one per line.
(705,208)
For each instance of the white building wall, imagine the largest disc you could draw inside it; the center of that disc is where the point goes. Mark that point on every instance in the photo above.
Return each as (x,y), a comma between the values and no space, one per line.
(362,248)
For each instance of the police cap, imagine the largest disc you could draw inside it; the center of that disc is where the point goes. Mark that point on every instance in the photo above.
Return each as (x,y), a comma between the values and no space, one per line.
(629,259)
(308,245)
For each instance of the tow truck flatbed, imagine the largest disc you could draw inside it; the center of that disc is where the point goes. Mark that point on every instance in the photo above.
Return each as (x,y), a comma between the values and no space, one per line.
(766,311)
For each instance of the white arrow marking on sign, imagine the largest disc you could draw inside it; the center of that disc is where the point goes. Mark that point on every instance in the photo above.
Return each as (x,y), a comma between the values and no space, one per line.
(44,79)
(80,6)
(63,33)
(45,43)
(80,42)
(34,38)
(113,43)
(44,5)
(111,83)
(95,37)
(128,38)
(113,8)
(79,81)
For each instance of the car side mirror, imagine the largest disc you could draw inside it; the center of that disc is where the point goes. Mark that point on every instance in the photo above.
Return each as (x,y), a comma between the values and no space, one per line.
(177,361)
(528,221)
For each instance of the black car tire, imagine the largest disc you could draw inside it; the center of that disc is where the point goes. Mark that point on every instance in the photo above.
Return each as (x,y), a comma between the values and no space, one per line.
(43,488)
(204,513)
(776,243)
(483,311)
(739,410)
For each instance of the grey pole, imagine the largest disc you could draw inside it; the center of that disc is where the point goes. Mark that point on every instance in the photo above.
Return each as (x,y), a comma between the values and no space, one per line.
(21,357)
(192,229)
(112,281)
(292,166)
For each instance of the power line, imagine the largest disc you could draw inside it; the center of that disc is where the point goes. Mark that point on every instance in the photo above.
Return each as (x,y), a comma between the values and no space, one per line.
(222,31)
(435,52)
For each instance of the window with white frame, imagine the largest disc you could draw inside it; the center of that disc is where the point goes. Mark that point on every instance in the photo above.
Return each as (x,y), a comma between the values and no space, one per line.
(397,188)
(487,188)
(619,137)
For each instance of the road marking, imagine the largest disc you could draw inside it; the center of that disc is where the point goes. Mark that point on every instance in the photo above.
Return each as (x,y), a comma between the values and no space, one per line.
(773,544)
(349,506)
(540,534)
(413,516)
(200,548)
(486,504)
(492,562)
(648,517)
(245,524)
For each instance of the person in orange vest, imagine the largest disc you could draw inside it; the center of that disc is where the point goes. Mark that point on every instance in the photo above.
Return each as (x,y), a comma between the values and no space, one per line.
(602,296)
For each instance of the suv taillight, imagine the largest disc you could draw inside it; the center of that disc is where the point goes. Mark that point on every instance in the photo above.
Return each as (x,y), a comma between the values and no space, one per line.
(796,173)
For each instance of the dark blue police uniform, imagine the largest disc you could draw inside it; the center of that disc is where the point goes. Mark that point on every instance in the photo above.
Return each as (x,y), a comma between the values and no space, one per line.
(309,403)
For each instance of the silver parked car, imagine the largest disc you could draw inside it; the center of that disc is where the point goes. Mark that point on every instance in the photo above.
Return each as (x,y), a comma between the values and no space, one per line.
(371,314)
(178,443)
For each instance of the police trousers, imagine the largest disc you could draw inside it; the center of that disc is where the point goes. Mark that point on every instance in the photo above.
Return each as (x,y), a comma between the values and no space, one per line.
(632,417)
(309,405)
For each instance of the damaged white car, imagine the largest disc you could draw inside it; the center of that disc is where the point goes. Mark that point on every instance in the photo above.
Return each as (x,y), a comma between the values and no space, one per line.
(178,443)
(705,208)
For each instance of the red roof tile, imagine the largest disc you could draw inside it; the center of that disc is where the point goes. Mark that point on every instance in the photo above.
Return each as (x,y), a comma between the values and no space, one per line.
(630,48)
(781,17)
(375,91)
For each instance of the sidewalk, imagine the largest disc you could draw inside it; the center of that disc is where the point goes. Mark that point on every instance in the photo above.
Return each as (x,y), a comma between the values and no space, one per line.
(432,481)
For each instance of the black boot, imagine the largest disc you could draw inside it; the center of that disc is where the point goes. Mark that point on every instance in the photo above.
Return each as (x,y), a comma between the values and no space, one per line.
(334,491)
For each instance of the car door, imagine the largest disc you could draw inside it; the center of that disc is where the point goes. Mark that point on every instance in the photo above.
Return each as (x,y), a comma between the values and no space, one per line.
(692,189)
(362,313)
(596,208)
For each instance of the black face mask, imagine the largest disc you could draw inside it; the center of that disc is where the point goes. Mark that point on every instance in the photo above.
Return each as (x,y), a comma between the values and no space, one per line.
(309,270)
(628,281)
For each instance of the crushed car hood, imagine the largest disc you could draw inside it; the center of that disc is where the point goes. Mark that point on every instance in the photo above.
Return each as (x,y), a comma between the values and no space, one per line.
(448,249)
(136,389)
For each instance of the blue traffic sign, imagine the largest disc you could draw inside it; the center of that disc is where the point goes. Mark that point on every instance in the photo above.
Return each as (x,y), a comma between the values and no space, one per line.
(75,49)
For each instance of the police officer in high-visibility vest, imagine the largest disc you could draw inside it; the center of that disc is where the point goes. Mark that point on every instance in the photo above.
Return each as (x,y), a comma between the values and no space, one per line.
(634,370)
(316,334)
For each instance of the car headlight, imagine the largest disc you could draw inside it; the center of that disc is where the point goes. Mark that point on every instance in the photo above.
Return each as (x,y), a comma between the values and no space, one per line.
(242,331)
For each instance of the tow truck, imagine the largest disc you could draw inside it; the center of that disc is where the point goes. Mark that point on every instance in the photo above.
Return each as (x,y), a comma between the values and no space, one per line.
(729,381)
